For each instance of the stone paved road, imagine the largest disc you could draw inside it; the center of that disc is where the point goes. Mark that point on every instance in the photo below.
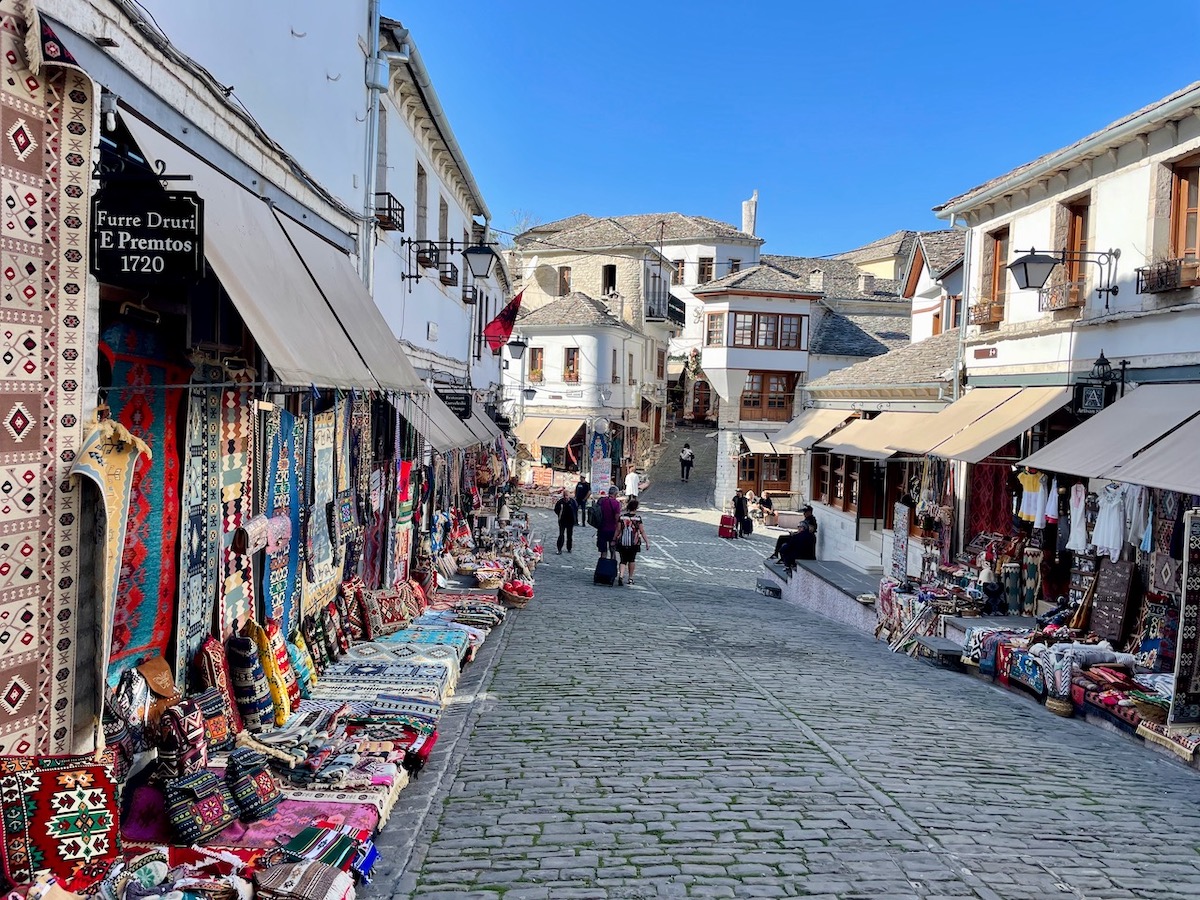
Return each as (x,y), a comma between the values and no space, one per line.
(688,737)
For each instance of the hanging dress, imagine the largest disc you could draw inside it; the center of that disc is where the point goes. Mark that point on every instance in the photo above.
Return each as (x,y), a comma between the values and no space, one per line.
(1109,534)
(1078,541)
(1033,498)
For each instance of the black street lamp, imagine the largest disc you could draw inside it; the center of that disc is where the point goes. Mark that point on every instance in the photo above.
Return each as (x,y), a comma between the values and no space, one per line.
(1102,371)
(1033,269)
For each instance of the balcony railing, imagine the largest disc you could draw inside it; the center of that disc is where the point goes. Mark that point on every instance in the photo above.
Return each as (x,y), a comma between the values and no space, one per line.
(388,212)
(775,410)
(571,377)
(429,254)
(1168,275)
(1067,295)
(470,294)
(986,314)
(448,273)
(658,298)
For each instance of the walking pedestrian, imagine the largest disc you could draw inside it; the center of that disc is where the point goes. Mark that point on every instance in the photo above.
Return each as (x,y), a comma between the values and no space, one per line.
(566,511)
(631,537)
(686,459)
(610,515)
(741,512)
(583,490)
(633,483)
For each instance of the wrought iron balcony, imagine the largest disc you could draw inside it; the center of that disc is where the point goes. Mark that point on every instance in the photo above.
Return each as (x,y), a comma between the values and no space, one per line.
(986,314)
(470,294)
(429,254)
(388,212)
(1065,295)
(448,273)
(1167,275)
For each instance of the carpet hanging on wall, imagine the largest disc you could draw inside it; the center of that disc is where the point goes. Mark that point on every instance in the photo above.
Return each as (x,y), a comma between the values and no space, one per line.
(200,542)
(45,167)
(237,442)
(285,474)
(144,611)
(322,586)
(1185,704)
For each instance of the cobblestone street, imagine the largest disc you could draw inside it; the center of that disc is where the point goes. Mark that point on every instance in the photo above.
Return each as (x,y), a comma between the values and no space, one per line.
(690,737)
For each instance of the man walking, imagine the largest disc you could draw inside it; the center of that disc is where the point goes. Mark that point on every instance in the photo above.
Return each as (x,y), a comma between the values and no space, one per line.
(610,515)
(565,510)
(686,459)
(741,512)
(633,483)
(583,490)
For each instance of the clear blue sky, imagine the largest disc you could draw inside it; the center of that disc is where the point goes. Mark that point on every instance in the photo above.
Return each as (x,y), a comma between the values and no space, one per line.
(852,119)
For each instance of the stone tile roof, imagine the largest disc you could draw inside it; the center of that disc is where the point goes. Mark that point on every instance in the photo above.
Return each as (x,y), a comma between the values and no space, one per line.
(585,232)
(942,249)
(762,277)
(576,309)
(928,361)
(1029,166)
(898,243)
(839,276)
(860,335)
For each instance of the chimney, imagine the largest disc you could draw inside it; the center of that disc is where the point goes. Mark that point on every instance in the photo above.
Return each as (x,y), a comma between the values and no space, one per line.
(866,283)
(816,280)
(750,214)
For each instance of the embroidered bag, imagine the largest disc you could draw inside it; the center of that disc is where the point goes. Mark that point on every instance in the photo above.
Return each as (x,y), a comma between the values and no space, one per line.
(350,606)
(280,702)
(254,788)
(314,637)
(59,817)
(250,685)
(119,740)
(218,731)
(142,695)
(307,880)
(182,748)
(212,671)
(199,806)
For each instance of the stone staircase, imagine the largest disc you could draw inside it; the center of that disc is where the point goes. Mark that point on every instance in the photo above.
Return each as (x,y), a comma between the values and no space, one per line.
(866,555)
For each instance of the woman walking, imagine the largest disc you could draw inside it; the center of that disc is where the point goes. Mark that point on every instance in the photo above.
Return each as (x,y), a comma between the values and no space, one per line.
(631,537)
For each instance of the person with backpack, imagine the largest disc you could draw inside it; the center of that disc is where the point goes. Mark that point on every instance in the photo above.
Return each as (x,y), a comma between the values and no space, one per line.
(631,537)
(566,511)
(609,515)
(686,459)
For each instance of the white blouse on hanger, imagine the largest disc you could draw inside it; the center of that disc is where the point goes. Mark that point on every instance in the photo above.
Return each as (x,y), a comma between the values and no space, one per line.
(1079,536)
(1109,534)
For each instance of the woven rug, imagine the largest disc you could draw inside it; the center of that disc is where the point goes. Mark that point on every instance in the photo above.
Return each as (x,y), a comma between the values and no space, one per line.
(1182,745)
(322,586)
(285,474)
(237,441)
(108,459)
(200,540)
(1185,705)
(144,613)
(45,168)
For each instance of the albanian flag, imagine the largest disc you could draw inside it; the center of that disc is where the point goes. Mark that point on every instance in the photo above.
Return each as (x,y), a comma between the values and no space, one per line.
(500,329)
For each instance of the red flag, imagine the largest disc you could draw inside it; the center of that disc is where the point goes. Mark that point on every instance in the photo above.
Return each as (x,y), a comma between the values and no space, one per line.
(500,329)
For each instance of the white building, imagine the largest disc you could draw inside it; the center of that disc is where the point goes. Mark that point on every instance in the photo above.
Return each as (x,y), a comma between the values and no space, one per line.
(932,280)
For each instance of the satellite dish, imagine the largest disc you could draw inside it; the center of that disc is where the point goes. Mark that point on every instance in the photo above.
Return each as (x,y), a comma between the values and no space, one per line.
(601,425)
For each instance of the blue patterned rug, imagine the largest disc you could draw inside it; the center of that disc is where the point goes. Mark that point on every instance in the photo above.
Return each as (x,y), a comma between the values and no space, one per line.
(285,474)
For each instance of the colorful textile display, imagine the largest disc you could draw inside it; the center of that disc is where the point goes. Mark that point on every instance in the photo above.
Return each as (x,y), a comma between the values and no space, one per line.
(1185,704)
(254,788)
(1158,635)
(144,611)
(285,475)
(212,671)
(218,725)
(59,817)
(1182,745)
(291,816)
(276,685)
(250,688)
(320,588)
(109,457)
(1031,580)
(307,880)
(237,433)
(199,806)
(45,171)
(200,554)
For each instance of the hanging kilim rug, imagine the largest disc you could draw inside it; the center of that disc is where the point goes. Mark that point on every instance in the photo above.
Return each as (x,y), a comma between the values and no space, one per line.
(284,477)
(321,589)
(200,541)
(237,434)
(1185,705)
(45,168)
(144,612)
(109,458)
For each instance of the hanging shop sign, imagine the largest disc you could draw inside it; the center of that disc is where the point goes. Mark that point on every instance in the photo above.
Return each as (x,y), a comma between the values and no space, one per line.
(145,236)
(1091,398)
(458,401)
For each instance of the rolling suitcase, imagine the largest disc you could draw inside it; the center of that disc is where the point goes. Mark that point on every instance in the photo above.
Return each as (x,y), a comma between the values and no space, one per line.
(727,528)
(747,526)
(606,572)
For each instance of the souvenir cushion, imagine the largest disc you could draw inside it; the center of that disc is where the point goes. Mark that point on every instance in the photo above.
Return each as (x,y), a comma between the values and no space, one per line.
(372,617)
(218,727)
(182,748)
(212,671)
(350,606)
(59,817)
(392,613)
(419,593)
(275,683)
(199,806)
(302,664)
(283,660)
(250,688)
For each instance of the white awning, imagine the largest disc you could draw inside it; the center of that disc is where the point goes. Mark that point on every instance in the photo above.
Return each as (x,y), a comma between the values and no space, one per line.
(530,429)
(246,247)
(759,442)
(808,428)
(433,419)
(1106,442)
(483,427)
(348,296)
(989,433)
(871,438)
(1169,464)
(948,422)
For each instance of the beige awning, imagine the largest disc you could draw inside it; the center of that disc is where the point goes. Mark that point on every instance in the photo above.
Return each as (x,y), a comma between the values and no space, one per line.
(433,419)
(988,434)
(246,247)
(808,428)
(530,430)
(632,423)
(560,432)
(759,442)
(1169,464)
(348,296)
(1108,440)
(872,438)
(959,415)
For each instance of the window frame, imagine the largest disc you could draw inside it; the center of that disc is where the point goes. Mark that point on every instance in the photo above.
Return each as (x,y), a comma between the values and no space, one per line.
(735,326)
(631,372)
(616,364)
(422,191)
(998,289)
(606,287)
(735,265)
(564,280)
(537,373)
(761,319)
(660,368)
(678,271)
(714,324)
(1185,175)
(1078,223)
(820,477)
(707,266)
(788,319)
(571,365)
